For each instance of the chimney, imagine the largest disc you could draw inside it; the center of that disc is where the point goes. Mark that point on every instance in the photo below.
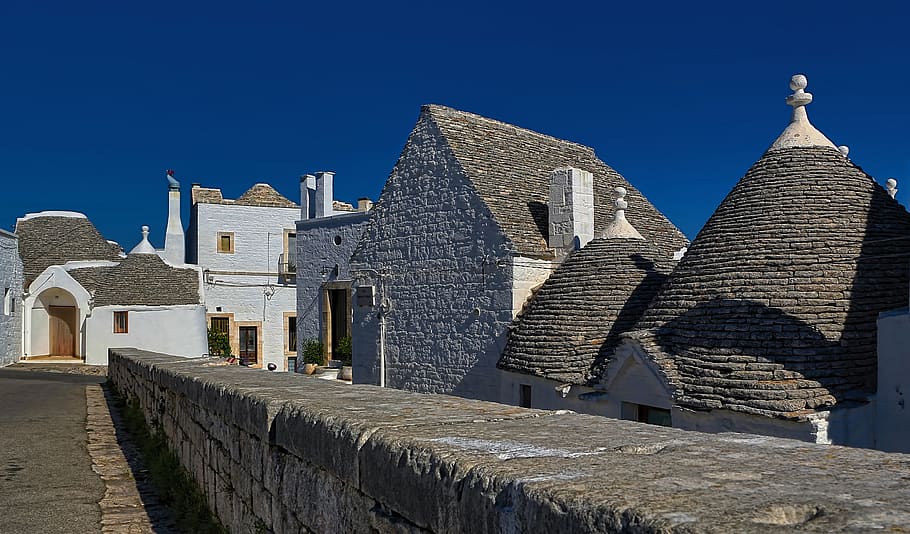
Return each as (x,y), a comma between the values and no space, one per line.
(364,204)
(307,197)
(571,210)
(174,244)
(324,193)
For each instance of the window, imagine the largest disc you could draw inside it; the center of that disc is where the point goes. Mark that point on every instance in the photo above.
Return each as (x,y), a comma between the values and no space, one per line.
(121,322)
(524,396)
(292,334)
(221,325)
(646,414)
(8,302)
(226,242)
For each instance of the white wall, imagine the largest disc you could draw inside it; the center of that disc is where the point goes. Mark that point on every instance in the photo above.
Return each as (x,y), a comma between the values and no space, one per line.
(892,419)
(246,283)
(528,274)
(175,330)
(444,277)
(10,312)
(318,252)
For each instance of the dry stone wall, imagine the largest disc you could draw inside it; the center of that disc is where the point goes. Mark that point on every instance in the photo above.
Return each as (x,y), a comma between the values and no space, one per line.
(287,453)
(10,299)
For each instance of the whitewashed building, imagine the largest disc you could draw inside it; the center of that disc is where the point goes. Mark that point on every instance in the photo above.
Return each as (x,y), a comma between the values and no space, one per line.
(465,229)
(10,306)
(326,237)
(83,295)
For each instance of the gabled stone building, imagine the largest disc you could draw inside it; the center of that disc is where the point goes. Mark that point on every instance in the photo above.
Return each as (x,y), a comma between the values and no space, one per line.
(10,306)
(768,323)
(465,228)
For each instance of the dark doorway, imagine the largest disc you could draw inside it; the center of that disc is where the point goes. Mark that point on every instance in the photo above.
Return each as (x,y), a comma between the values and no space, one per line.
(249,343)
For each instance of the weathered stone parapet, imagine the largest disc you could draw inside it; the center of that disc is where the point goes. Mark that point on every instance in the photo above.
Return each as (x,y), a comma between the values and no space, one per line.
(293,454)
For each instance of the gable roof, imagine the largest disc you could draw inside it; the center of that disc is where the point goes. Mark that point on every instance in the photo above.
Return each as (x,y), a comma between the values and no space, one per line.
(139,280)
(510,167)
(773,309)
(55,240)
(571,327)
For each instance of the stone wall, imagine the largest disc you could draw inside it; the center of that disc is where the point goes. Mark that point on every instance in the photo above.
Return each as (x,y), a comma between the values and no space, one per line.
(10,299)
(288,453)
(442,273)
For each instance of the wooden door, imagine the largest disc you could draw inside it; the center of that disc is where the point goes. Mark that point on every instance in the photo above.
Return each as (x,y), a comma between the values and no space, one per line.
(62,330)
(248,345)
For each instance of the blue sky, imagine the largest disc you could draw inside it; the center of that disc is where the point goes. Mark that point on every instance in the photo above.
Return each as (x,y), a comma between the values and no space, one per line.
(98,99)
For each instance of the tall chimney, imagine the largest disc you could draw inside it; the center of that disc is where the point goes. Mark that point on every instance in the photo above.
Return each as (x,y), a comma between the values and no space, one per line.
(307,197)
(174,244)
(571,209)
(324,193)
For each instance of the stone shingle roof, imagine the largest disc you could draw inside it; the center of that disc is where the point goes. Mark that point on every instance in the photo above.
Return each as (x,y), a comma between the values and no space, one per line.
(773,309)
(570,329)
(260,194)
(140,279)
(510,167)
(52,240)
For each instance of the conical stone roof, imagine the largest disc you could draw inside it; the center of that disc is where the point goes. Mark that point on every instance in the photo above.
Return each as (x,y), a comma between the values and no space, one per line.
(571,327)
(773,309)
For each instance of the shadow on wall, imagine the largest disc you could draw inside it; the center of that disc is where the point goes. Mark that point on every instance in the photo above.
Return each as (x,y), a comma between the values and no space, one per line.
(631,312)
(541,214)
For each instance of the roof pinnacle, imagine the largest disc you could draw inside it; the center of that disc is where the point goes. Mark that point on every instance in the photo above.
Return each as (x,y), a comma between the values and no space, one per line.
(144,247)
(800,132)
(621,228)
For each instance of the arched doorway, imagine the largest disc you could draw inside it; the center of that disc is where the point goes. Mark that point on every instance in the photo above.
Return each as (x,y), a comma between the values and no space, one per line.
(55,325)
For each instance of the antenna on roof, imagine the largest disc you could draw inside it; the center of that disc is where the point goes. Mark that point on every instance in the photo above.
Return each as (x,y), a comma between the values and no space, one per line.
(891,186)
(620,228)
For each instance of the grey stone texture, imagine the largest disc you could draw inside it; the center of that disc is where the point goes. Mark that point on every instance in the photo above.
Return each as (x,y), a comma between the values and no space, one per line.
(287,453)
(258,195)
(466,197)
(140,279)
(570,329)
(317,256)
(46,241)
(772,311)
(10,318)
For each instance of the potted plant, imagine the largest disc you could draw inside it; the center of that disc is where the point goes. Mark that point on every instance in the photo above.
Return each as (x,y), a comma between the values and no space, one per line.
(344,352)
(313,355)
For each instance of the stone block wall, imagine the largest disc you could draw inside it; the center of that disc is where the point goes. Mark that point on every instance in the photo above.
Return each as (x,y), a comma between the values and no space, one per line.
(288,453)
(10,299)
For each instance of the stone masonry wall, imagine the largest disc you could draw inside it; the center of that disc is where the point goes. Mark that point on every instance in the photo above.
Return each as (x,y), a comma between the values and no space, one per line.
(280,453)
(442,271)
(10,312)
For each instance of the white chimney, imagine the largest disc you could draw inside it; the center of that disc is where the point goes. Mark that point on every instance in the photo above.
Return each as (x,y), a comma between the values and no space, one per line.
(324,193)
(571,209)
(307,197)
(174,241)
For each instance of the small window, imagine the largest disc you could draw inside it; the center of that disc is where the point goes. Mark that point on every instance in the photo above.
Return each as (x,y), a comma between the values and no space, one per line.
(121,322)
(7,302)
(525,396)
(646,414)
(221,325)
(337,240)
(226,242)
(292,334)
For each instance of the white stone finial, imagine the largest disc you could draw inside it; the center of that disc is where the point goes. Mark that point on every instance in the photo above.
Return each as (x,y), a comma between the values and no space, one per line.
(144,247)
(844,149)
(620,228)
(800,132)
(891,186)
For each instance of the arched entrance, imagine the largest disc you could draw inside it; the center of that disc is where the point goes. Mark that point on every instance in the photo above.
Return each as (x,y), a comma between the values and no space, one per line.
(55,324)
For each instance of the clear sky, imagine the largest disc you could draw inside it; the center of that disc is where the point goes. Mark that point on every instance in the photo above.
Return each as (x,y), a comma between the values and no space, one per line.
(98,99)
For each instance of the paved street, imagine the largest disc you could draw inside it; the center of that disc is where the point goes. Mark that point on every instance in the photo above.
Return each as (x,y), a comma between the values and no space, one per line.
(46,479)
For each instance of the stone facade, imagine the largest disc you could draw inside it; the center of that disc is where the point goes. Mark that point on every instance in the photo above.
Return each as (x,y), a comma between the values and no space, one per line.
(245,283)
(287,453)
(11,303)
(457,242)
(324,247)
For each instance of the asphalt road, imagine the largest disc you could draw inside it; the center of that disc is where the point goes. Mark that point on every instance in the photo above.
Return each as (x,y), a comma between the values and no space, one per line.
(46,480)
